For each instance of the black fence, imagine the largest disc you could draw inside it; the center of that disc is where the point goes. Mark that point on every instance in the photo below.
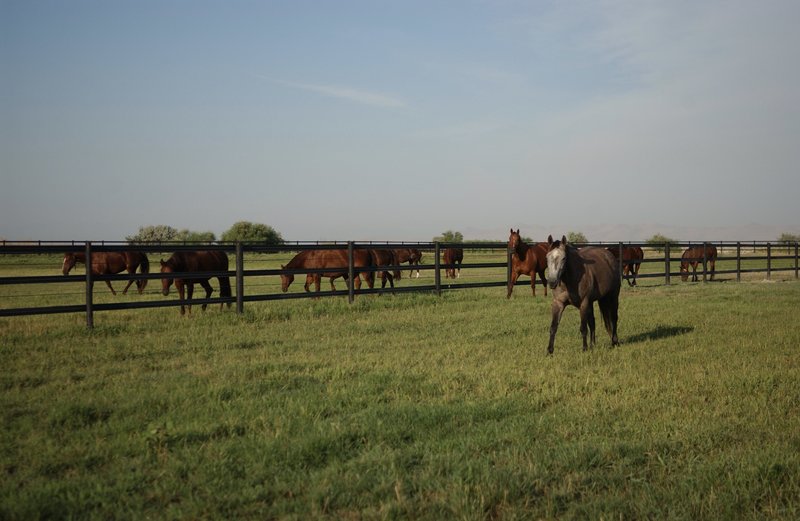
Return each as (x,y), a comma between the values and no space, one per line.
(496,272)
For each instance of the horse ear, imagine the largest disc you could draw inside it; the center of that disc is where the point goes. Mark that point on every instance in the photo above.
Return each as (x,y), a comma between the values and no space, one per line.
(564,239)
(549,240)
(512,230)
(283,267)
(517,231)
(163,263)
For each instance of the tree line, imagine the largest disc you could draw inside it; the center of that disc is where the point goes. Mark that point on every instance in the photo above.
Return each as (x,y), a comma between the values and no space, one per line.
(242,231)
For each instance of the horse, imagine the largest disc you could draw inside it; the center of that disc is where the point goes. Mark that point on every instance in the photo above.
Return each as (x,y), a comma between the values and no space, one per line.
(632,257)
(580,277)
(694,256)
(385,257)
(333,260)
(526,260)
(453,258)
(110,263)
(195,261)
(410,255)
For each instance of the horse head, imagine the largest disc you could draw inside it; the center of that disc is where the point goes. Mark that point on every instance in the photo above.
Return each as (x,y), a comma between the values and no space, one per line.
(684,271)
(514,240)
(166,268)
(556,260)
(69,263)
(286,280)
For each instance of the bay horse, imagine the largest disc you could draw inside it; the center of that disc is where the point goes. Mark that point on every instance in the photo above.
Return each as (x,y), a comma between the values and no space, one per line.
(580,277)
(333,260)
(632,257)
(694,256)
(410,255)
(453,257)
(110,263)
(526,260)
(195,261)
(385,257)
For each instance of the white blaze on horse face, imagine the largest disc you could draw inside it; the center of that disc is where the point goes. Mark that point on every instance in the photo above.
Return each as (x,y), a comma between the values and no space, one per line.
(555,265)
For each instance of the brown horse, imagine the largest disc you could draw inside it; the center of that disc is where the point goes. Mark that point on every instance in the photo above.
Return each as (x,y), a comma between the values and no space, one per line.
(453,257)
(195,261)
(580,277)
(110,263)
(410,255)
(632,257)
(694,256)
(526,260)
(333,260)
(385,257)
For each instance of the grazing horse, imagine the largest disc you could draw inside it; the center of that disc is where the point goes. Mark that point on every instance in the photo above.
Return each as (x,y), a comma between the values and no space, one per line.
(109,263)
(632,257)
(385,257)
(195,261)
(410,255)
(333,260)
(579,277)
(694,256)
(453,257)
(526,260)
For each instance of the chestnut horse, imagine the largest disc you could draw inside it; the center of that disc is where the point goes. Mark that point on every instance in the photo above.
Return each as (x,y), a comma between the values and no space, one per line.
(410,255)
(195,261)
(694,256)
(632,257)
(333,260)
(453,257)
(526,260)
(580,277)
(109,263)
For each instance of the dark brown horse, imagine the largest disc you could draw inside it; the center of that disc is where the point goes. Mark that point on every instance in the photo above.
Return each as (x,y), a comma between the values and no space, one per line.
(632,257)
(453,257)
(109,263)
(580,277)
(195,261)
(694,256)
(526,260)
(385,257)
(410,255)
(333,260)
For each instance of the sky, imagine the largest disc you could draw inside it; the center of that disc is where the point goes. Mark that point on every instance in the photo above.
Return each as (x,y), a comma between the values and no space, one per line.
(397,121)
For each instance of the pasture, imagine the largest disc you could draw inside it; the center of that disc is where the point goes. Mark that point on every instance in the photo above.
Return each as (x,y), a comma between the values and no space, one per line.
(407,406)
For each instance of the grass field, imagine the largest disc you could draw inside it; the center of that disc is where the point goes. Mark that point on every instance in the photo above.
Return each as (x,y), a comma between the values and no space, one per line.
(408,406)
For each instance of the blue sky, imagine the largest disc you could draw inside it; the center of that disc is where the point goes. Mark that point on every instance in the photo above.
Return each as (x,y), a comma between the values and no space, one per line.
(400,120)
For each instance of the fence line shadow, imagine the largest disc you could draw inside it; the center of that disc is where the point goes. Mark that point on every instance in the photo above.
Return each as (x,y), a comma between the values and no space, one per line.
(660,332)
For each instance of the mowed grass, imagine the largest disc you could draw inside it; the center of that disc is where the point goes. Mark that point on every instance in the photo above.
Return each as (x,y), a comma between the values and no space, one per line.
(409,406)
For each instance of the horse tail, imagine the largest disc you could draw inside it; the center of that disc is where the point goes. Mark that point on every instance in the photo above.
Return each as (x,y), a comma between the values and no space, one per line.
(609,310)
(144,267)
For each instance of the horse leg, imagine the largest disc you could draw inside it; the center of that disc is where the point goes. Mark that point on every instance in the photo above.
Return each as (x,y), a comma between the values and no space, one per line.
(591,322)
(189,294)
(713,268)
(694,272)
(131,271)
(586,312)
(556,310)
(179,287)
(108,283)
(209,291)
(544,281)
(513,281)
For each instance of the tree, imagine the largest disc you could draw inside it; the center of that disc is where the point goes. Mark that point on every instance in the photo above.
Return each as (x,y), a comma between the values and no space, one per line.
(191,236)
(449,236)
(159,233)
(658,241)
(246,231)
(576,238)
(788,238)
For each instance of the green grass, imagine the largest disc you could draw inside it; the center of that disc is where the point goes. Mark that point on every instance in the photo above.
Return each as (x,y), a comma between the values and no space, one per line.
(408,406)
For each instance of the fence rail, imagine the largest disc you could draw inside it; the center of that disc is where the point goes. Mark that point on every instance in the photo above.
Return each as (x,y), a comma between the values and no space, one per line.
(499,274)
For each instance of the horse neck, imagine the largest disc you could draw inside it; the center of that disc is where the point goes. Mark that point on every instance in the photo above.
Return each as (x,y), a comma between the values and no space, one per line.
(521,249)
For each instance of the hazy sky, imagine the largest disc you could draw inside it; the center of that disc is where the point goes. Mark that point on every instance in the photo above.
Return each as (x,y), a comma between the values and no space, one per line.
(399,120)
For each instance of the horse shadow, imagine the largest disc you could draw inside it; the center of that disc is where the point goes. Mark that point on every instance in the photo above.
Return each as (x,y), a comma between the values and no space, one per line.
(660,332)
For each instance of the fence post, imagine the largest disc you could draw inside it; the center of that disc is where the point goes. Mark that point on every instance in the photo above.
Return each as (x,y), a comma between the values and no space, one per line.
(621,267)
(738,262)
(89,287)
(437,277)
(239,278)
(769,261)
(667,263)
(705,259)
(795,259)
(509,253)
(351,289)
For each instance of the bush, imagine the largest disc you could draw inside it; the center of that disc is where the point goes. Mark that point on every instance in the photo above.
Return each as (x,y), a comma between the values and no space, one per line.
(576,238)
(449,236)
(246,231)
(658,241)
